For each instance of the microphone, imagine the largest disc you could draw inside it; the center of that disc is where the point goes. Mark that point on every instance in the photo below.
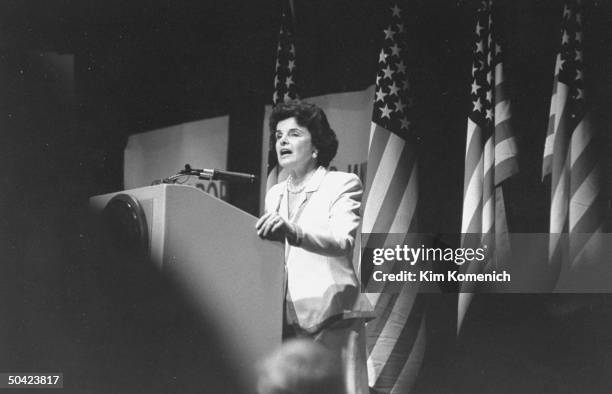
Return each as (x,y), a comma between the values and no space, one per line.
(230,176)
(216,174)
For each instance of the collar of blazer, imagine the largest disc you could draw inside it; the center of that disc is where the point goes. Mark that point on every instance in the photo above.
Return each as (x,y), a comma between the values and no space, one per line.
(312,185)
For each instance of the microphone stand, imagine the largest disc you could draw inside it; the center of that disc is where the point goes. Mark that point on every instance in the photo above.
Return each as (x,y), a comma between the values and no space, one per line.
(209,175)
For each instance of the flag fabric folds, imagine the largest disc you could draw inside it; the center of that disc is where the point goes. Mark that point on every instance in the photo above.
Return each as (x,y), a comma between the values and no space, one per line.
(396,338)
(490,154)
(285,87)
(570,153)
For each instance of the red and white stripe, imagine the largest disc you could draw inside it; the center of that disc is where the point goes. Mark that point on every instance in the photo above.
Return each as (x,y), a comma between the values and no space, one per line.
(396,339)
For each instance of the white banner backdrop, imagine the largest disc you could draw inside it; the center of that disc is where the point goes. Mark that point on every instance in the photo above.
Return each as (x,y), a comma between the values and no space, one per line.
(161,153)
(350,115)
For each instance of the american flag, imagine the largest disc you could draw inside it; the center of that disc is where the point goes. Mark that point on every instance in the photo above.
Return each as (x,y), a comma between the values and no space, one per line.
(569,151)
(396,338)
(490,153)
(285,87)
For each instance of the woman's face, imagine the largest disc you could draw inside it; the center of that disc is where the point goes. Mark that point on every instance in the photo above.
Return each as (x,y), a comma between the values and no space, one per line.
(294,147)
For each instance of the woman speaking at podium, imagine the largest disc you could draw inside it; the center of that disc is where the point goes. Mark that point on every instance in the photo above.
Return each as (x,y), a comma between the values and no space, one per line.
(315,212)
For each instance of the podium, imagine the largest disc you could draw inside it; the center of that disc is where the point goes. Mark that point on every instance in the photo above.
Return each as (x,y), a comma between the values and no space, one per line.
(228,274)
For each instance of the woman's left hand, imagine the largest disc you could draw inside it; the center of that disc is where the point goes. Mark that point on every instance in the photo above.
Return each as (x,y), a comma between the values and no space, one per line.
(272,226)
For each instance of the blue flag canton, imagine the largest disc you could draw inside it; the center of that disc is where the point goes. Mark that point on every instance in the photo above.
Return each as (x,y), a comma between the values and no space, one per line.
(285,87)
(393,100)
(487,53)
(570,66)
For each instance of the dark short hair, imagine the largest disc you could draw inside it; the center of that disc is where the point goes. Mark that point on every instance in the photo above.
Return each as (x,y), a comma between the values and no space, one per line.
(311,117)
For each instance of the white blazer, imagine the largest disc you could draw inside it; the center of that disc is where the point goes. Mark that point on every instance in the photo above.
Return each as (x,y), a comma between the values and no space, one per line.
(321,283)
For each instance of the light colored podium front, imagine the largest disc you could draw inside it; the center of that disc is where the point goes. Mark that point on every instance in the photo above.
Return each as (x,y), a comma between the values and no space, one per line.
(211,250)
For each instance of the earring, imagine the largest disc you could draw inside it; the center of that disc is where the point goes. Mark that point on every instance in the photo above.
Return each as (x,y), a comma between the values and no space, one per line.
(314,154)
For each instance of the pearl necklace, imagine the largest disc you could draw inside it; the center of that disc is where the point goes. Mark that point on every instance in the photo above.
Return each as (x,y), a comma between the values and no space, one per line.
(295,189)
(298,189)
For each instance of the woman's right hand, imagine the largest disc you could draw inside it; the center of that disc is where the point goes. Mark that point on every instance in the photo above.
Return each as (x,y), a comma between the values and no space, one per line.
(273,227)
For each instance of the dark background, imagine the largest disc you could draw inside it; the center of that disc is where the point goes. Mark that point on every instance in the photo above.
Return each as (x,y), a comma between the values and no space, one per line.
(142,65)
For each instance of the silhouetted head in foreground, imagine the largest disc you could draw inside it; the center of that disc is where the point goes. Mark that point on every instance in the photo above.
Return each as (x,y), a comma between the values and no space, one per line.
(302,366)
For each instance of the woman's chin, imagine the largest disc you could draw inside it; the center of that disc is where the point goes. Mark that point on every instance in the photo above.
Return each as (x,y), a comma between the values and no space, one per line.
(286,164)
